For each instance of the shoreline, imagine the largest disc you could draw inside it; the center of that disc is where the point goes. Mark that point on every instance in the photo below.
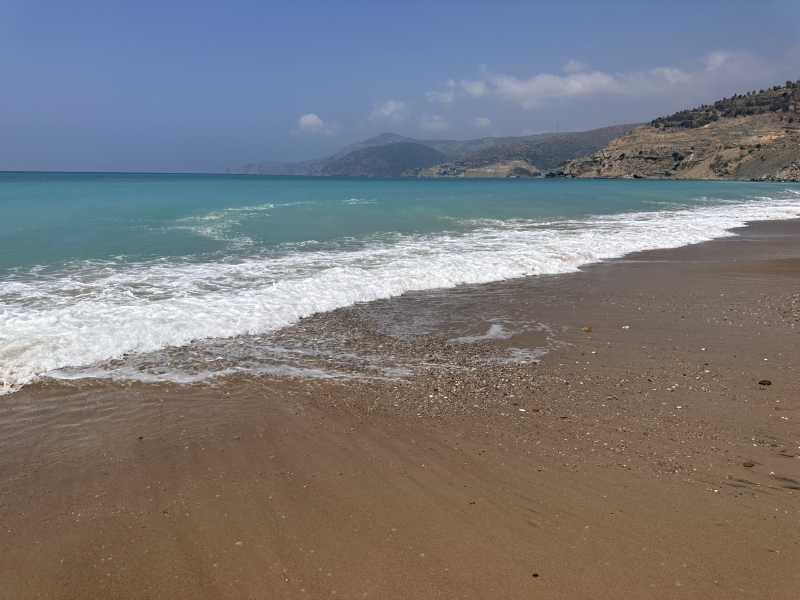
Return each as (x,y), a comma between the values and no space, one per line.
(611,467)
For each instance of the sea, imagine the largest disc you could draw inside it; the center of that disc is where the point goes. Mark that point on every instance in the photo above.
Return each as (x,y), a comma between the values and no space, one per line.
(189,278)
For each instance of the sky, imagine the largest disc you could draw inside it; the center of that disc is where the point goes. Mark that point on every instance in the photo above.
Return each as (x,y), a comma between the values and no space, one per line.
(202,86)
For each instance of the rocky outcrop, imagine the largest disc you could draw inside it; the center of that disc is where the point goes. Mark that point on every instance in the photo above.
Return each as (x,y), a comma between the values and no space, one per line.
(754,137)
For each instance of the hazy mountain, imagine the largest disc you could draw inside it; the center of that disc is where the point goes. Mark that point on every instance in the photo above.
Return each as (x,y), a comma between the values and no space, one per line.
(452,148)
(525,158)
(308,167)
(457,149)
(388,160)
(751,136)
(550,152)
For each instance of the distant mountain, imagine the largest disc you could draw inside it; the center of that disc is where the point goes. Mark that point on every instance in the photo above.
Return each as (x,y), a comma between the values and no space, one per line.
(522,158)
(451,148)
(389,160)
(456,149)
(755,136)
(315,167)
(550,152)
(307,167)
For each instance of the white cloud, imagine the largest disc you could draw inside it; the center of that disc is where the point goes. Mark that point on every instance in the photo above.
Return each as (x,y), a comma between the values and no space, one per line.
(575,66)
(312,124)
(433,123)
(391,110)
(482,122)
(533,92)
(720,68)
(443,97)
(716,60)
(474,88)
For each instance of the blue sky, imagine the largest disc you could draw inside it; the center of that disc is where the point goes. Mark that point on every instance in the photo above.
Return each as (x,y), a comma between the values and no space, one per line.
(201,86)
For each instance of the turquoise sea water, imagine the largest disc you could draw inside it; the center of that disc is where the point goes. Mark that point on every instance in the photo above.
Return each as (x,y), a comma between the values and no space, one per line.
(95,267)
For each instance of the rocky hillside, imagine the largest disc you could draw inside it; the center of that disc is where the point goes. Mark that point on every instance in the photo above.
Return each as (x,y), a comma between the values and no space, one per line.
(389,160)
(525,158)
(755,136)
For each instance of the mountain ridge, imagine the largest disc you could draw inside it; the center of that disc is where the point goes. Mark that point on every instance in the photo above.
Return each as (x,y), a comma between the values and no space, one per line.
(387,160)
(526,158)
(755,136)
(451,148)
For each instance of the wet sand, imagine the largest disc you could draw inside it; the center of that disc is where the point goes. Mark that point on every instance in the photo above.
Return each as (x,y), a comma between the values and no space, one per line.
(641,459)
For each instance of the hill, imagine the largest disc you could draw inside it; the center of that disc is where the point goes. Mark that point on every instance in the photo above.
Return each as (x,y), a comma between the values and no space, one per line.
(452,148)
(525,158)
(755,136)
(314,167)
(389,160)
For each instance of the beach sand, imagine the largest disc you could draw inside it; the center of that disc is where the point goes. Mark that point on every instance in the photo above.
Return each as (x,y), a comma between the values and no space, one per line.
(641,459)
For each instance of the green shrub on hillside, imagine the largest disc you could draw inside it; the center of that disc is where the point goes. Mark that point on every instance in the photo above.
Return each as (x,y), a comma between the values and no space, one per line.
(779,98)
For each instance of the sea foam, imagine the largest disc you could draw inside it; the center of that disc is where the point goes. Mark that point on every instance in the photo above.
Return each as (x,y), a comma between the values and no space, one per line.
(96,311)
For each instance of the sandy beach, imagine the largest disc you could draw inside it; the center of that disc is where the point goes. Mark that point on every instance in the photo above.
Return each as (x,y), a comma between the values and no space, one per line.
(639,457)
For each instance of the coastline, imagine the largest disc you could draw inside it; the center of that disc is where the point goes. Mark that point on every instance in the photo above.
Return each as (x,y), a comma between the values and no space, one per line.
(605,479)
